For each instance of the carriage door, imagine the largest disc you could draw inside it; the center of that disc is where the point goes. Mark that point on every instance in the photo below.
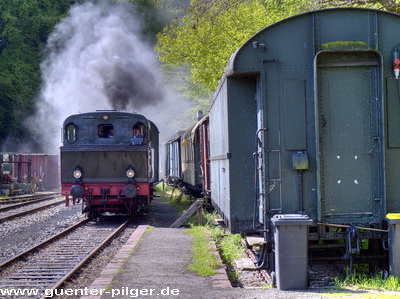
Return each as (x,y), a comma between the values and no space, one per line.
(349,124)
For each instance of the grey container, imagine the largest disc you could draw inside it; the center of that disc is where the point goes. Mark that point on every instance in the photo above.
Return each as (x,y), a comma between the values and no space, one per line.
(291,250)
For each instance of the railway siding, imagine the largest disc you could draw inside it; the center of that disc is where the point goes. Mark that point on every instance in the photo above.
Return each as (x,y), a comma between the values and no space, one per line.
(22,209)
(51,265)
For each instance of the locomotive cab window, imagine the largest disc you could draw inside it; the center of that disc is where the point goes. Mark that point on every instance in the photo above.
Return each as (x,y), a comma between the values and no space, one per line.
(138,134)
(71,133)
(105,131)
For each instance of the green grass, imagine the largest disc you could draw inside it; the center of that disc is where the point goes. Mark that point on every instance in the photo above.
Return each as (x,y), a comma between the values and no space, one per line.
(204,260)
(231,248)
(358,295)
(120,270)
(180,201)
(177,199)
(370,282)
(150,228)
(209,218)
(228,244)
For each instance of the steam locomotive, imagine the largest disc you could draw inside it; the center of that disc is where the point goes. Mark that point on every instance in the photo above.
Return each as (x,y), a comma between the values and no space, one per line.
(303,142)
(109,161)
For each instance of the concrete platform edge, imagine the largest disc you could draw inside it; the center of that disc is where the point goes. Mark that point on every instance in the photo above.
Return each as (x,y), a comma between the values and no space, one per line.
(221,279)
(106,276)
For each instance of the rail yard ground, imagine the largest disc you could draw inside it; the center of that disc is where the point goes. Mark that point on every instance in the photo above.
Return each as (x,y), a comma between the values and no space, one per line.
(155,265)
(149,260)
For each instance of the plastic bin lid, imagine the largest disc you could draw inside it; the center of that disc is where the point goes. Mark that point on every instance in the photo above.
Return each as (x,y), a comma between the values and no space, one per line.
(393,216)
(291,219)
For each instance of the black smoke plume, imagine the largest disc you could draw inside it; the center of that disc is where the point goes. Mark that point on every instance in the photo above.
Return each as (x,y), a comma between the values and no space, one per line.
(96,59)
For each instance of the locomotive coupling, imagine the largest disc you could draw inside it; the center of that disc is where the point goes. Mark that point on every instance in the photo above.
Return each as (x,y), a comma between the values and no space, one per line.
(353,243)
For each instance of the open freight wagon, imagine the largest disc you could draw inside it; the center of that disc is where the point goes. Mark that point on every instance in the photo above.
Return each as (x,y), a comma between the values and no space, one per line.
(27,173)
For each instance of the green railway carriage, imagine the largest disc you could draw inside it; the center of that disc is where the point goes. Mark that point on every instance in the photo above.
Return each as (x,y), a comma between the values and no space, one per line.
(306,121)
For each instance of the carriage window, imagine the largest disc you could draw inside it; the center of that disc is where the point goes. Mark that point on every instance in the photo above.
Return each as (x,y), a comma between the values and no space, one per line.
(71,133)
(138,134)
(105,131)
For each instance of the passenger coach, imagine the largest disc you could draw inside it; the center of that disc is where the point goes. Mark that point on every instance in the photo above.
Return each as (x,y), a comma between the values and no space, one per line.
(304,132)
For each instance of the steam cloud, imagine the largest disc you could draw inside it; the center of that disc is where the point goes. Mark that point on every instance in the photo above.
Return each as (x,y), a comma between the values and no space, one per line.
(97,49)
(96,59)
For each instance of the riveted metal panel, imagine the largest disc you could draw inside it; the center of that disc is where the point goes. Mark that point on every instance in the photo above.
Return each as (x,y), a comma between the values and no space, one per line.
(346,25)
(97,165)
(242,128)
(219,152)
(282,56)
(350,130)
(393,108)
(295,114)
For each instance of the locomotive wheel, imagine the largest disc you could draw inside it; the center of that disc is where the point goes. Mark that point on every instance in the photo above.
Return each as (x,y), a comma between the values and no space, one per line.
(131,206)
(133,210)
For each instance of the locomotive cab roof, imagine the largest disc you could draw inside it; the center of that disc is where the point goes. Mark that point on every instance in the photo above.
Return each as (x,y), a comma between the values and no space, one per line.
(107,127)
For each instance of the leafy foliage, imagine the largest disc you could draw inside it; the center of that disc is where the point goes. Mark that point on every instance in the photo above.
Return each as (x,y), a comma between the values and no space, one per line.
(24,27)
(210,31)
(156,14)
(203,36)
(194,47)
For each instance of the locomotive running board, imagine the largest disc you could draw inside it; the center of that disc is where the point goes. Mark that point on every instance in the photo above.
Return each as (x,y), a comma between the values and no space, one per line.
(198,204)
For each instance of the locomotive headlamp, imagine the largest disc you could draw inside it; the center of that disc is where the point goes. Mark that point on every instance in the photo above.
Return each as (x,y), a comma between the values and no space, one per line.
(130,173)
(77,173)
(105,117)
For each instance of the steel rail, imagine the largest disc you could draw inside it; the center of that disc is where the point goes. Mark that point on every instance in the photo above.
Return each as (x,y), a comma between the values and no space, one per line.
(26,197)
(26,203)
(87,258)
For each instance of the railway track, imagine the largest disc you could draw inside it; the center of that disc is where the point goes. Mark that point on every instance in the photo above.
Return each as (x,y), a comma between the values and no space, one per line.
(26,197)
(58,258)
(21,209)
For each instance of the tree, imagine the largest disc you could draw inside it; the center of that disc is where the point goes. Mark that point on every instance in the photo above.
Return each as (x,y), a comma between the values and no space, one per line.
(209,31)
(24,27)
(156,14)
